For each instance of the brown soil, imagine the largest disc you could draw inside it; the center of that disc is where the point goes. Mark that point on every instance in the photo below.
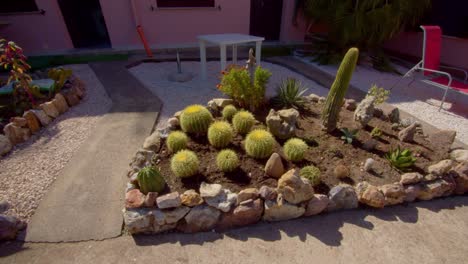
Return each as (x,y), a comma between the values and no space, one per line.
(328,151)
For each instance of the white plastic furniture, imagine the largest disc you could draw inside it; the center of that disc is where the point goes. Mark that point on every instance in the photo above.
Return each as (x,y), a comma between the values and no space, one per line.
(223,40)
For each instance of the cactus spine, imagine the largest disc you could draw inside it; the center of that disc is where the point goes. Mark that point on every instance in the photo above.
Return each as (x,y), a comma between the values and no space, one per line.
(331,110)
(220,134)
(195,119)
(227,160)
(150,180)
(259,144)
(176,141)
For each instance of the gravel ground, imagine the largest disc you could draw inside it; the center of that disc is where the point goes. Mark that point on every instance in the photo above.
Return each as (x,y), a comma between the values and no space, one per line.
(177,96)
(28,171)
(420,100)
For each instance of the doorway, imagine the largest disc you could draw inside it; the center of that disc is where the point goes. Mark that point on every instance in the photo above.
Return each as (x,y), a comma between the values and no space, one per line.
(265,18)
(85,23)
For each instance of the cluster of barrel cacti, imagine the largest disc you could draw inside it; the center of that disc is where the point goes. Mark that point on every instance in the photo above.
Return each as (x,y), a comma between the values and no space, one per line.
(195,119)
(243,122)
(220,134)
(294,149)
(227,160)
(259,144)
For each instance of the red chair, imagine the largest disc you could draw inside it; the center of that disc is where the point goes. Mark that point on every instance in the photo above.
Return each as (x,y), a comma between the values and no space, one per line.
(430,64)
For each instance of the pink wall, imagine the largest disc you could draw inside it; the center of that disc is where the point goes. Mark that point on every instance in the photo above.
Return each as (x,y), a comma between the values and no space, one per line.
(454,50)
(289,32)
(36,32)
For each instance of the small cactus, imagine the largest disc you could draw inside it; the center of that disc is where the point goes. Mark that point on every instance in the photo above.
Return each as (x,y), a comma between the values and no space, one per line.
(228,112)
(227,160)
(220,134)
(243,121)
(294,149)
(150,180)
(185,164)
(311,173)
(259,144)
(177,140)
(195,119)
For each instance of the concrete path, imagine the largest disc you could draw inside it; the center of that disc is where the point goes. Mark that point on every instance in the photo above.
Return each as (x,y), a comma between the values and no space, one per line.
(85,201)
(424,232)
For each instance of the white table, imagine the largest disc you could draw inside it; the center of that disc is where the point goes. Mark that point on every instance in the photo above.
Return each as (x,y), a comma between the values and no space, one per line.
(227,39)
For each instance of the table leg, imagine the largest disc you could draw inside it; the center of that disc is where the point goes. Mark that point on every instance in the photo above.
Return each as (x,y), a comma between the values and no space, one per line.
(203,59)
(234,54)
(222,50)
(258,52)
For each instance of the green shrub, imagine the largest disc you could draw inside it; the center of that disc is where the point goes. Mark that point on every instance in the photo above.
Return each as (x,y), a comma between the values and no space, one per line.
(381,95)
(401,159)
(311,173)
(294,149)
(150,180)
(227,160)
(185,164)
(236,83)
(195,119)
(228,112)
(243,121)
(177,140)
(289,94)
(259,144)
(220,134)
(60,76)
(348,135)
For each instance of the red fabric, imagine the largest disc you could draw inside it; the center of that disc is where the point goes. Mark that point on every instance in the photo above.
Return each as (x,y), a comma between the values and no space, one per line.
(454,85)
(433,46)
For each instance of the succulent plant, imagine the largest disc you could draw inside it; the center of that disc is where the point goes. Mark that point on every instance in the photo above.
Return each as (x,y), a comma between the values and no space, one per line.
(376,132)
(401,159)
(243,121)
(195,119)
(228,112)
(185,164)
(177,140)
(311,173)
(289,94)
(60,76)
(220,134)
(150,180)
(348,135)
(294,149)
(259,144)
(227,160)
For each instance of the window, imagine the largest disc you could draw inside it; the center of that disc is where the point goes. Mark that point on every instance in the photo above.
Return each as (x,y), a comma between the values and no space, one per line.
(18,6)
(185,3)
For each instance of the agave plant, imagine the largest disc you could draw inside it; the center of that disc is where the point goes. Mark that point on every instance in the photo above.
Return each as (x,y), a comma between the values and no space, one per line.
(289,94)
(401,159)
(348,135)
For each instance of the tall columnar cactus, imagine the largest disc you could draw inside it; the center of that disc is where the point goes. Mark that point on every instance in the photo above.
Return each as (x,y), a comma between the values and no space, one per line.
(331,110)
(195,119)
(259,144)
(150,180)
(220,134)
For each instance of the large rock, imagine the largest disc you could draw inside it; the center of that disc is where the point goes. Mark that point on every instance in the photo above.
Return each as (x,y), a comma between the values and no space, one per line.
(50,109)
(274,166)
(440,168)
(19,121)
(412,192)
(438,188)
(441,142)
(210,190)
(218,104)
(223,201)
(170,200)
(370,195)
(365,110)
(71,97)
(32,121)
(342,197)
(16,134)
(200,218)
(5,145)
(150,199)
(247,213)
(134,199)
(459,155)
(282,124)
(153,142)
(4,206)
(268,193)
(138,220)
(461,177)
(407,134)
(316,205)
(191,198)
(394,193)
(165,220)
(392,114)
(247,194)
(9,227)
(411,178)
(280,210)
(294,188)
(42,117)
(60,103)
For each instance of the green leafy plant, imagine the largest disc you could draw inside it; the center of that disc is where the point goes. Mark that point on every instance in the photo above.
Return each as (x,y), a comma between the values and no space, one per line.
(348,135)
(235,82)
(335,98)
(177,140)
(381,95)
(228,112)
(259,144)
(220,134)
(243,122)
(294,149)
(150,180)
(60,76)
(376,132)
(289,94)
(227,160)
(311,173)
(195,119)
(401,159)
(185,164)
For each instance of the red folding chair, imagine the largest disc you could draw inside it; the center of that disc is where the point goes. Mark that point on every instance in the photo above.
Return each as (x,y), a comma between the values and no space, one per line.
(430,64)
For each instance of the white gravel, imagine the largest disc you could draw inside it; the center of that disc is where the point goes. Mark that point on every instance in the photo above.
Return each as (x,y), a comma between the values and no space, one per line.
(28,171)
(176,96)
(419,99)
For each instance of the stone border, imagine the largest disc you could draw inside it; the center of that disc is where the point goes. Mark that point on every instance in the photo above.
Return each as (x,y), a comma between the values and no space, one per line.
(215,208)
(20,129)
